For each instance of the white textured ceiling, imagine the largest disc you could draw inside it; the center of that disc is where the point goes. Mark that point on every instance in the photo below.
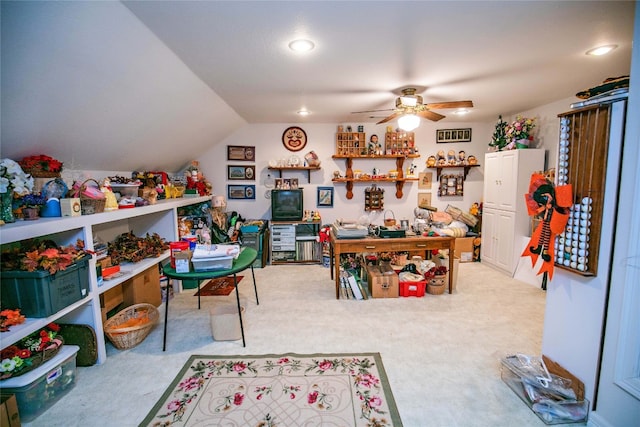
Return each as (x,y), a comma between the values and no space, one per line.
(505,56)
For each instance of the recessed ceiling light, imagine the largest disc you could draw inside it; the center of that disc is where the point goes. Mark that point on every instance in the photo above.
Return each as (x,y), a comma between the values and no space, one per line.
(461,111)
(304,112)
(301,45)
(601,50)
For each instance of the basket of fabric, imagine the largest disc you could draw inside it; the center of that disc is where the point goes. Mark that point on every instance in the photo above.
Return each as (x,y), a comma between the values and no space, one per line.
(92,200)
(130,327)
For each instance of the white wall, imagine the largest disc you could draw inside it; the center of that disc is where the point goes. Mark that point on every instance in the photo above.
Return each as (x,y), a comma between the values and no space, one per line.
(321,139)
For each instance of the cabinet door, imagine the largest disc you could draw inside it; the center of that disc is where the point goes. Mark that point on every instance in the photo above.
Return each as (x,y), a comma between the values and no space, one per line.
(488,247)
(500,179)
(504,232)
(497,239)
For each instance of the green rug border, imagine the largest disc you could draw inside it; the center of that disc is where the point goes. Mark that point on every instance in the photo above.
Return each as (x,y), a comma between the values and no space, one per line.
(386,386)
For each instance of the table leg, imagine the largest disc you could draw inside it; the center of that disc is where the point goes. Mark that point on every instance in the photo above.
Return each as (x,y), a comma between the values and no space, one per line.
(451,256)
(166,315)
(255,289)
(336,264)
(235,281)
(198,294)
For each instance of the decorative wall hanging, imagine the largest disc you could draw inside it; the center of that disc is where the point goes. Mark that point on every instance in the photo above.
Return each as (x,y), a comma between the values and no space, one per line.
(451,185)
(552,205)
(453,135)
(294,138)
(241,192)
(236,172)
(286,183)
(425,179)
(424,199)
(241,152)
(325,197)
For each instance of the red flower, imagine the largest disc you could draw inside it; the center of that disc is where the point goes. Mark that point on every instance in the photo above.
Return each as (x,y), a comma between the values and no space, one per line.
(9,352)
(312,398)
(24,353)
(238,398)
(54,327)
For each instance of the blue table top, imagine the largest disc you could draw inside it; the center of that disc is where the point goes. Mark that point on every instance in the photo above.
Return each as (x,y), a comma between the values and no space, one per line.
(245,259)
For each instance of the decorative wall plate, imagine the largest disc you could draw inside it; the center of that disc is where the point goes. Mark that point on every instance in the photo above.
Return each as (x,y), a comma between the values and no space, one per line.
(294,138)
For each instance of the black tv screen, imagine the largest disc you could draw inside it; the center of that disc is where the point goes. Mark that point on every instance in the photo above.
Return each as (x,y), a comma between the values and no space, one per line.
(287,205)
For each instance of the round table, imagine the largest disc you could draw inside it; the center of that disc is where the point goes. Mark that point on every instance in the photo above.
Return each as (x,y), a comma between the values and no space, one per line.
(244,260)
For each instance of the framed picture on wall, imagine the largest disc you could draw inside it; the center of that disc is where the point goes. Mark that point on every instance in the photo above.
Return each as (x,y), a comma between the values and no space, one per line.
(453,135)
(325,197)
(241,152)
(237,172)
(425,179)
(241,192)
(424,199)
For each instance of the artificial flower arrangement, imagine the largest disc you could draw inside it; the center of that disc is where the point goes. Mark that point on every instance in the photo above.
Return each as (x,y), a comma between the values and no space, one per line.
(44,255)
(13,179)
(439,270)
(41,166)
(520,130)
(30,352)
(32,200)
(10,318)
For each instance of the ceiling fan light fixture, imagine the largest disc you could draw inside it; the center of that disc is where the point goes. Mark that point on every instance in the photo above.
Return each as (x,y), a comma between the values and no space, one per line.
(304,112)
(409,101)
(601,50)
(301,45)
(409,122)
(461,111)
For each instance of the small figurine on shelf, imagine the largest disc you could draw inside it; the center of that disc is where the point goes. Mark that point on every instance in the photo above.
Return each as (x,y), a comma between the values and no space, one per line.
(451,158)
(431,161)
(442,161)
(306,216)
(111,203)
(316,216)
(462,158)
(472,160)
(474,209)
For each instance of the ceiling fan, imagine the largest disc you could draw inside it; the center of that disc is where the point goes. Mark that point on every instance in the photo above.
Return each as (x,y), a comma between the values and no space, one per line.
(411,104)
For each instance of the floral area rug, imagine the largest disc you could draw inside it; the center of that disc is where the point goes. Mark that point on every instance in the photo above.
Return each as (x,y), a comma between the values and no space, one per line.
(278,391)
(219,286)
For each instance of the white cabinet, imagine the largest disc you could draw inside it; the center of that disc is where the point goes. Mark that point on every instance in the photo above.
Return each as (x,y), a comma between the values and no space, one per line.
(504,213)
(161,218)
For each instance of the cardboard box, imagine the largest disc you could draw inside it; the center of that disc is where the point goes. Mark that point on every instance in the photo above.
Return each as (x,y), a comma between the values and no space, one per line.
(143,287)
(112,298)
(70,207)
(9,415)
(382,285)
(464,249)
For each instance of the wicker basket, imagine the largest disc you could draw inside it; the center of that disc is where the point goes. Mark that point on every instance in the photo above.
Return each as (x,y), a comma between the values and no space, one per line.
(436,285)
(88,205)
(128,337)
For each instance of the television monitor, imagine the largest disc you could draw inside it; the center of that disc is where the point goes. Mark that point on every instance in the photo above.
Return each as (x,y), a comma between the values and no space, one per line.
(287,205)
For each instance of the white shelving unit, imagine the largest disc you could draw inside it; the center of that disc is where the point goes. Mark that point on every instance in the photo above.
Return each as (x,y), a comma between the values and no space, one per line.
(161,218)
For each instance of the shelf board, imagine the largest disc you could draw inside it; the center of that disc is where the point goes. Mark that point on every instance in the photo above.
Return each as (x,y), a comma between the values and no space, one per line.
(383,156)
(295,168)
(466,168)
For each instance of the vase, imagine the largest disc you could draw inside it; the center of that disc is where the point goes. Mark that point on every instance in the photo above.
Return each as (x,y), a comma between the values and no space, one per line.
(6,207)
(522,143)
(29,214)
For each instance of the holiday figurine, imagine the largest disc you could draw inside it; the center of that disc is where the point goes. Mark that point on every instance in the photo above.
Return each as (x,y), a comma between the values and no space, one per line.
(553,205)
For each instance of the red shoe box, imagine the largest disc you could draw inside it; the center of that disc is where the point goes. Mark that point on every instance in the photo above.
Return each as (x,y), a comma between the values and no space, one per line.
(413,289)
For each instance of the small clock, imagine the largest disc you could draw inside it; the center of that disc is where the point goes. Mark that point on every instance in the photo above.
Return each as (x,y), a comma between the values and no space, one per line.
(294,138)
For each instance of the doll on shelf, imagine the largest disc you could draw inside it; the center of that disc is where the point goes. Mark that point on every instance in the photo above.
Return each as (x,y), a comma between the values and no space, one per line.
(111,202)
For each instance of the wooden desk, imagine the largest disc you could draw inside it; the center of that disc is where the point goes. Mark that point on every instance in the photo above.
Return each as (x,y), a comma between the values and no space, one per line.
(245,260)
(393,244)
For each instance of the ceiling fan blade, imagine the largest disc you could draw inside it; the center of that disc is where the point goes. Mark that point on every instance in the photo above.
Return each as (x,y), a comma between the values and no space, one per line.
(431,115)
(389,118)
(371,111)
(452,104)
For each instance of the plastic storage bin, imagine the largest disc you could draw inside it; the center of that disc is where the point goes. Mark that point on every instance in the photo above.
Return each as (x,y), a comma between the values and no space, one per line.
(38,390)
(41,294)
(225,324)
(212,264)
(413,289)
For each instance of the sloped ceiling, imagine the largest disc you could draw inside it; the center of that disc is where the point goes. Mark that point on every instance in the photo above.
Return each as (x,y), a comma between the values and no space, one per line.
(111,85)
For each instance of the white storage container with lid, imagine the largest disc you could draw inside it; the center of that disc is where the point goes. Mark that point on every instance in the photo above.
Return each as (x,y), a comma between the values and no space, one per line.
(38,390)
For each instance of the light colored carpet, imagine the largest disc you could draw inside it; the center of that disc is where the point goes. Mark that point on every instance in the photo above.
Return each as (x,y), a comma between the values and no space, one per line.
(441,353)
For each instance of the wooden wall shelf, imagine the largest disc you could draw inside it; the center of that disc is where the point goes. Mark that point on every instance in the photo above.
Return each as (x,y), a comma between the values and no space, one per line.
(466,168)
(295,168)
(399,181)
